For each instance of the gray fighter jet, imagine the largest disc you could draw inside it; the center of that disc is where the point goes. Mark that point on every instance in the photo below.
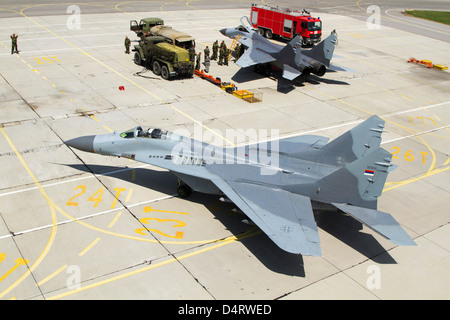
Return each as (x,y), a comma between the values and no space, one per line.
(275,183)
(290,58)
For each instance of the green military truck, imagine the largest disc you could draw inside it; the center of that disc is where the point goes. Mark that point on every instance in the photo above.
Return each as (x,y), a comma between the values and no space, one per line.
(163,58)
(144,26)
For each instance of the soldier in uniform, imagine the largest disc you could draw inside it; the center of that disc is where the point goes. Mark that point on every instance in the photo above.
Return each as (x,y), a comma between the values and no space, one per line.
(215,48)
(241,51)
(197,63)
(191,54)
(206,51)
(14,43)
(207,64)
(223,59)
(127,45)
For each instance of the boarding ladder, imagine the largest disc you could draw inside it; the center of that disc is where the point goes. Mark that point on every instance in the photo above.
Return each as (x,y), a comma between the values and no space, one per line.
(233,44)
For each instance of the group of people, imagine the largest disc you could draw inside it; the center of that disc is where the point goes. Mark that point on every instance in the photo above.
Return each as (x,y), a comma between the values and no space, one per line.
(221,52)
(218,52)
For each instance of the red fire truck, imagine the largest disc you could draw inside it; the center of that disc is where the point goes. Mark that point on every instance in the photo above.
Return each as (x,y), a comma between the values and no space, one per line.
(286,23)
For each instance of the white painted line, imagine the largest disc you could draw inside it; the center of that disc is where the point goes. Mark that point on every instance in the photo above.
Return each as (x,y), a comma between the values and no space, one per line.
(73,180)
(89,216)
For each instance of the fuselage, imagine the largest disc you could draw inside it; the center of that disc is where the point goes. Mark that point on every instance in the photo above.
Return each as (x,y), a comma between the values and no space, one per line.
(195,162)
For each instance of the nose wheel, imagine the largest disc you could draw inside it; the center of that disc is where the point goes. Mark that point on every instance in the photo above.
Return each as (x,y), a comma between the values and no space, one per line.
(183,189)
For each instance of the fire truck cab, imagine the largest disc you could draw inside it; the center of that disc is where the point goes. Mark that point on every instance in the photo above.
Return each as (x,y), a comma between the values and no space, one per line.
(286,23)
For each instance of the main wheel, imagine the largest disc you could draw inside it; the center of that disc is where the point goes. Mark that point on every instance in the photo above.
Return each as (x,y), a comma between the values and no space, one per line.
(184,191)
(156,68)
(165,72)
(269,34)
(137,58)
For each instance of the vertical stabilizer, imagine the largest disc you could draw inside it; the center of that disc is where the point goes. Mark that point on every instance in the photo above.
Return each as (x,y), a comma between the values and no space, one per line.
(323,52)
(355,143)
(360,183)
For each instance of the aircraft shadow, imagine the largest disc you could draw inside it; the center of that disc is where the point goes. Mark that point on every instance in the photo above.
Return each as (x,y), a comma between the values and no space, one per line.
(346,229)
(244,75)
(165,182)
(341,226)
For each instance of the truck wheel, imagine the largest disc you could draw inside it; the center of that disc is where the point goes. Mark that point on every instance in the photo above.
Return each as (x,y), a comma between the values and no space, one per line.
(269,34)
(261,31)
(165,72)
(137,58)
(156,68)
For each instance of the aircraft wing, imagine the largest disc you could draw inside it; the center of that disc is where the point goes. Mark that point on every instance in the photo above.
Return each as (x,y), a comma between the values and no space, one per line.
(285,217)
(254,56)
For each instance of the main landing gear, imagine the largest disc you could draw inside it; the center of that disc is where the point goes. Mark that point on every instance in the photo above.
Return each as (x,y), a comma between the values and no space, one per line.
(183,189)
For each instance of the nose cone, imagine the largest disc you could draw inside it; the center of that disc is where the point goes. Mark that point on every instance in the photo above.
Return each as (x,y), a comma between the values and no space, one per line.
(223,31)
(85,143)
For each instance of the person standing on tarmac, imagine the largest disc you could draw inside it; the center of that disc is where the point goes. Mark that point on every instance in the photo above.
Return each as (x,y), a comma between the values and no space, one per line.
(14,43)
(215,48)
(197,63)
(206,52)
(127,45)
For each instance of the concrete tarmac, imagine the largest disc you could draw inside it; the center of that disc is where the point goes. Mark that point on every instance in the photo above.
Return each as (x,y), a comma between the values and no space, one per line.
(76,225)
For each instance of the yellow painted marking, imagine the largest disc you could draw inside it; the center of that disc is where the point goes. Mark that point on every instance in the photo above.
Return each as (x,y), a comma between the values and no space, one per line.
(19,262)
(118,191)
(62,92)
(405,182)
(177,224)
(124,77)
(54,85)
(52,207)
(44,77)
(227,241)
(433,154)
(114,220)
(29,66)
(51,276)
(2,257)
(130,192)
(94,118)
(446,161)
(104,126)
(36,70)
(406,97)
(89,247)
(148,209)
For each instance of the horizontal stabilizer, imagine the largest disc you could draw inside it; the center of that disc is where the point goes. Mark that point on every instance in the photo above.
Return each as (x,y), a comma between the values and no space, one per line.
(290,73)
(381,222)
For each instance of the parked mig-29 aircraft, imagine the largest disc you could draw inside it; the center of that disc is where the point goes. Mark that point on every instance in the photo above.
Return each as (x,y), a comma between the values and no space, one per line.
(291,58)
(276,183)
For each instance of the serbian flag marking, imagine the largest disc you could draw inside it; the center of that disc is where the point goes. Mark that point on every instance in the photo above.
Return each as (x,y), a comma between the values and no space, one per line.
(368,172)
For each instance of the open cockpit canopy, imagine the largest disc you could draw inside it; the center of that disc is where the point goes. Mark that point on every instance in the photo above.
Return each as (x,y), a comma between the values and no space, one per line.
(138,132)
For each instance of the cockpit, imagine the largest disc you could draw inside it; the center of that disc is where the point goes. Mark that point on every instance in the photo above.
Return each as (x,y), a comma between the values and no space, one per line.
(138,132)
(242,28)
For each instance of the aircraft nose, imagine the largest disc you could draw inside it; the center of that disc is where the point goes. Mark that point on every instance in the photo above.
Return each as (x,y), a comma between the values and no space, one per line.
(223,31)
(85,143)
